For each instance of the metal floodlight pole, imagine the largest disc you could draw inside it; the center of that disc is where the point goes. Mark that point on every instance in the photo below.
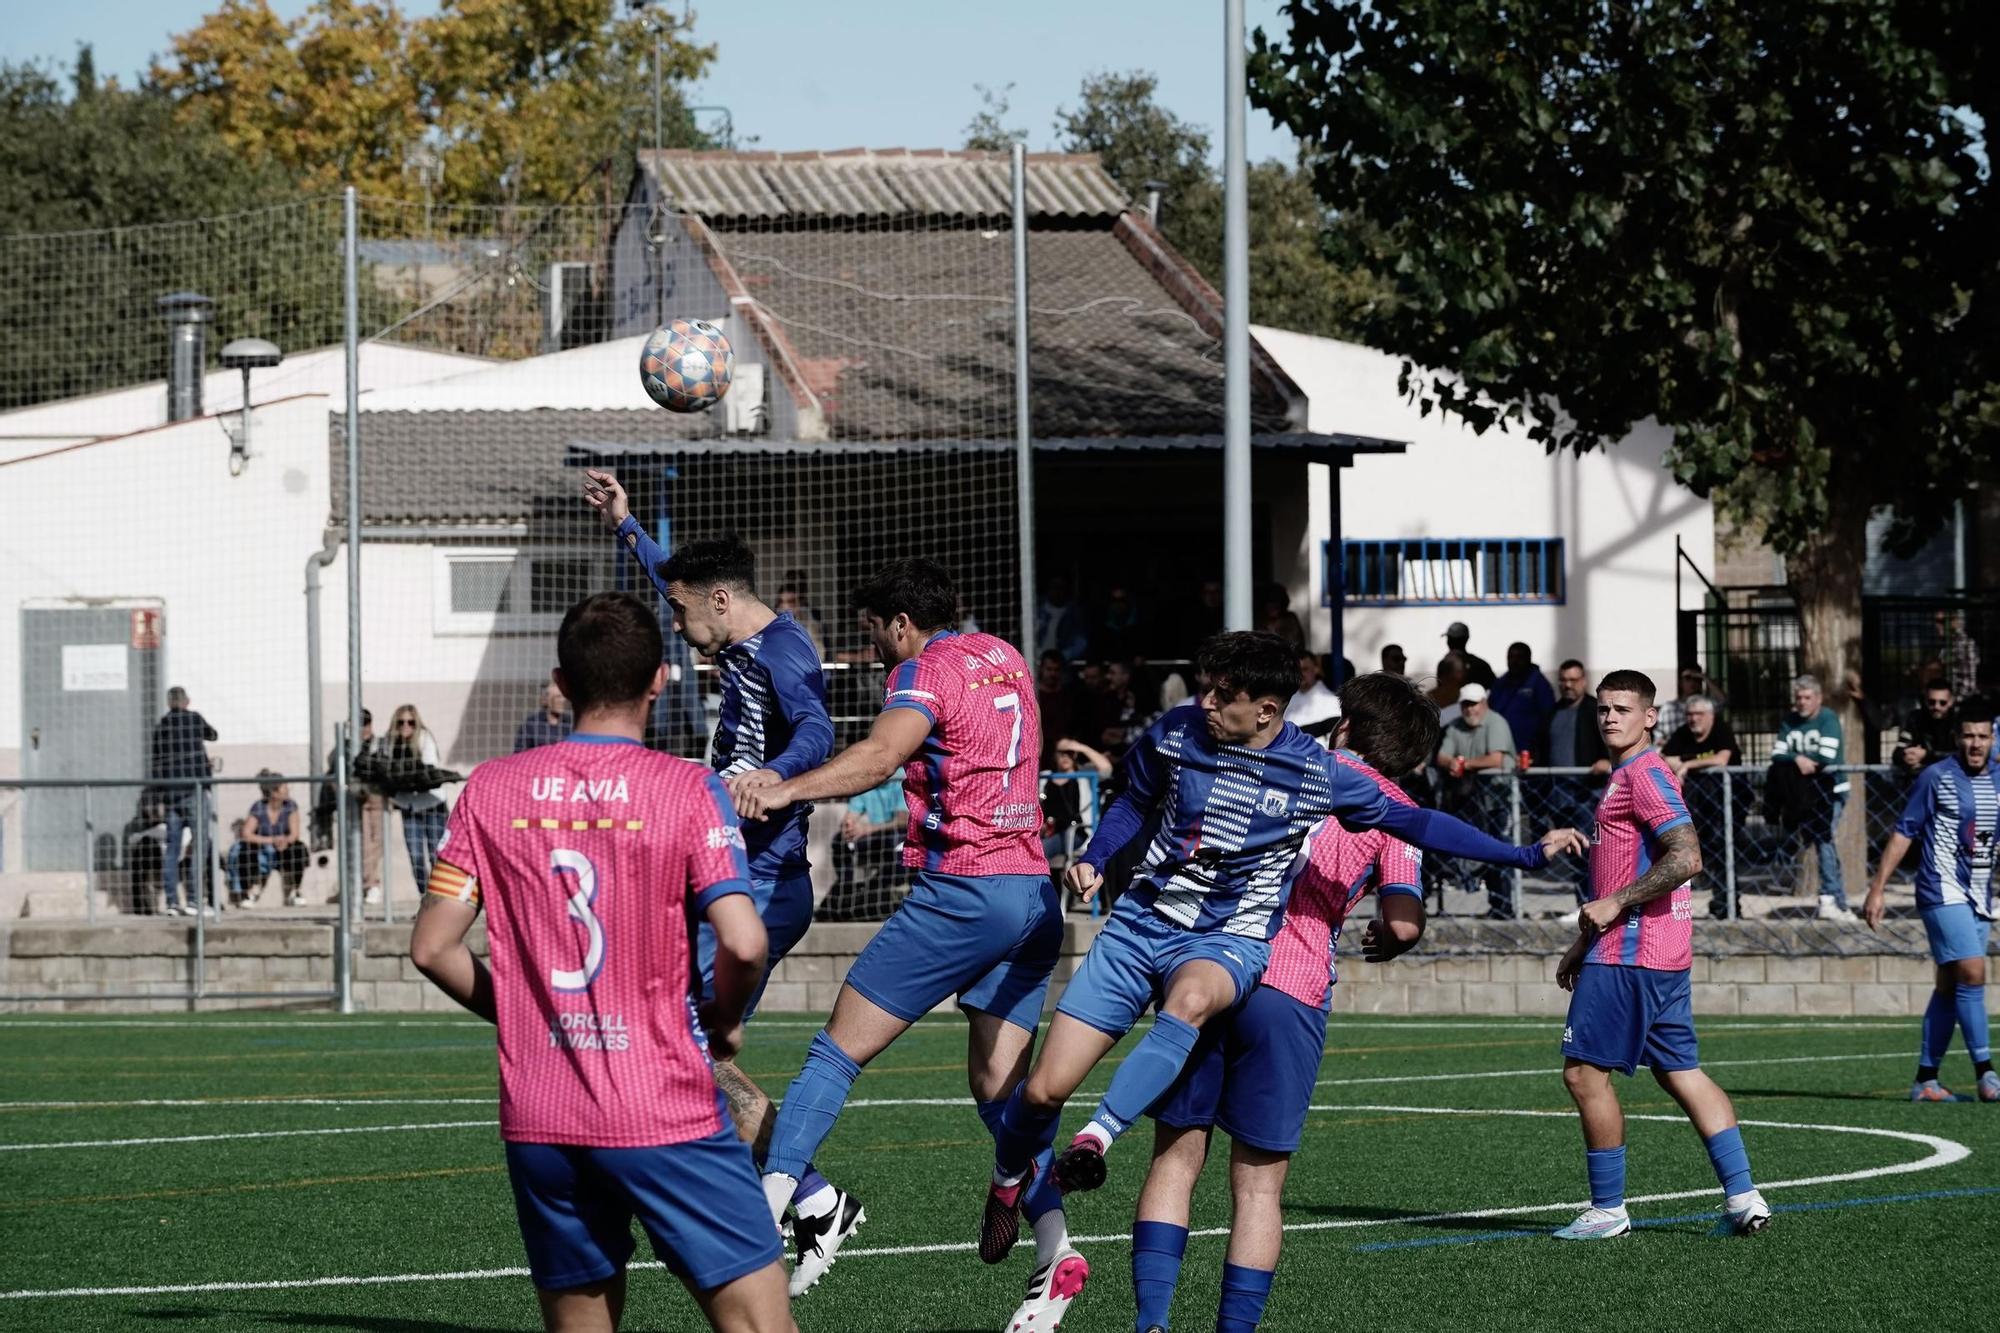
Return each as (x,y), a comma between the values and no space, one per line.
(353,441)
(345,845)
(1024,448)
(1237,612)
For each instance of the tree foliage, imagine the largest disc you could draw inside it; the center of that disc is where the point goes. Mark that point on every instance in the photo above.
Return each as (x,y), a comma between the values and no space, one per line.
(523,103)
(1769,226)
(988,130)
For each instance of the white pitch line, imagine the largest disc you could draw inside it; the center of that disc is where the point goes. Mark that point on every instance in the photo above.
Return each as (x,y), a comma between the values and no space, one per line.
(1944,1152)
(245,1134)
(1555,1071)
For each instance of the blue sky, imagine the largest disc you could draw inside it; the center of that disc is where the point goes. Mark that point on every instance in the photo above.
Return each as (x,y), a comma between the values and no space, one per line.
(799,74)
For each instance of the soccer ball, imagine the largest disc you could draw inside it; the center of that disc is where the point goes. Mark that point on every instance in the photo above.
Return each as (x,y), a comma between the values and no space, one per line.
(686,365)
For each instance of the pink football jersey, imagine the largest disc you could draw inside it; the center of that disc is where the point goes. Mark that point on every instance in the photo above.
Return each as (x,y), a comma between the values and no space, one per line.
(975,802)
(589,856)
(1341,868)
(1642,801)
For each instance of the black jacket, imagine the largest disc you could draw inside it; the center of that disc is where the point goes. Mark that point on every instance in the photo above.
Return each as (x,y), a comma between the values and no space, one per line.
(177,749)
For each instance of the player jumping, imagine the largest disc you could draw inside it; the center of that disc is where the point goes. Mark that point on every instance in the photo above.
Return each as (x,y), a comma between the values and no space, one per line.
(1233,789)
(588,856)
(1953,810)
(1631,1002)
(1253,1072)
(773,725)
(981,921)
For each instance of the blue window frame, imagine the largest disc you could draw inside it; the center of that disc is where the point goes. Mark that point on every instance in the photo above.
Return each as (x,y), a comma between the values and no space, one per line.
(1447,571)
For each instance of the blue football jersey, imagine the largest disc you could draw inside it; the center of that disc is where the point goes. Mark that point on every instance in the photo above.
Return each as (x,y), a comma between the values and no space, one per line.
(1952,817)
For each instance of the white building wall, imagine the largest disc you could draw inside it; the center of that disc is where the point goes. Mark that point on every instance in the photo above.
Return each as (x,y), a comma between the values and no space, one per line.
(1618,511)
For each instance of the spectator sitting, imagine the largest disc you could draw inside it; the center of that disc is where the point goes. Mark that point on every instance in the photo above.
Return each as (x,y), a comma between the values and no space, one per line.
(1477,669)
(546,725)
(270,840)
(1524,698)
(867,854)
(1929,733)
(1394,661)
(1704,741)
(1174,691)
(1478,740)
(1277,617)
(1062,799)
(1059,621)
(1315,709)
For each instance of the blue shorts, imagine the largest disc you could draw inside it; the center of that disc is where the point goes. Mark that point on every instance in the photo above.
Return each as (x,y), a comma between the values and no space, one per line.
(991,940)
(700,1203)
(786,906)
(1623,1017)
(1253,1073)
(1127,967)
(1956,932)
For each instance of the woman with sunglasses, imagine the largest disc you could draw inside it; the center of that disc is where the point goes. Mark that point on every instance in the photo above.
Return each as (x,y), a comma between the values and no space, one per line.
(412,750)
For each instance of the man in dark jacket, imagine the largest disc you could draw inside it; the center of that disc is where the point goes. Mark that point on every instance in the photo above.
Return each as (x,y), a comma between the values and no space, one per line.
(1929,732)
(1574,741)
(179,752)
(1524,698)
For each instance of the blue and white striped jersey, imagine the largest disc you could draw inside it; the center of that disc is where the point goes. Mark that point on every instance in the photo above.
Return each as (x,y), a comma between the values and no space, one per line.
(1953,816)
(773,716)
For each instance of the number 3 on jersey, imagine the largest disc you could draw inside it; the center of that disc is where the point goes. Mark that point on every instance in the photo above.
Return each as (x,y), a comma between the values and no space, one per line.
(1010,703)
(565,862)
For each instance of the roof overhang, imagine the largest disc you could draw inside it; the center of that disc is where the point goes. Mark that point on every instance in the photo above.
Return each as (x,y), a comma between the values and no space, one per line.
(1337,449)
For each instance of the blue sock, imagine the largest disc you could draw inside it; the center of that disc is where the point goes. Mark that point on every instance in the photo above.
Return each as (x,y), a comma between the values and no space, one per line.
(811,1106)
(810,1183)
(1157,1248)
(1244,1291)
(1147,1073)
(1940,1016)
(1730,1159)
(1606,1167)
(1972,1018)
(1021,1135)
(1043,1197)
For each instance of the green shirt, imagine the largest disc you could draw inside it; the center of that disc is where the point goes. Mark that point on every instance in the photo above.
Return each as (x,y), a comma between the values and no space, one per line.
(1816,738)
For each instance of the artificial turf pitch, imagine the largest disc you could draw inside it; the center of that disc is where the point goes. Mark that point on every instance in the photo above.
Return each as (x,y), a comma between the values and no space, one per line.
(312,1172)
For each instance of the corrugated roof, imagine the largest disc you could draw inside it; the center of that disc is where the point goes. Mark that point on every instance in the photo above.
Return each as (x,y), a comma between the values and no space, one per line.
(877,183)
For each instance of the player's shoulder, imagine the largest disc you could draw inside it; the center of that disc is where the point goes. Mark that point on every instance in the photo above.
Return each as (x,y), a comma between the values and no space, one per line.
(975,655)
(786,641)
(1349,761)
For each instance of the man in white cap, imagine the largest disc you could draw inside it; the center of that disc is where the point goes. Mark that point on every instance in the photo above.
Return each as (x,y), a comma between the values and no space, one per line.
(1477,747)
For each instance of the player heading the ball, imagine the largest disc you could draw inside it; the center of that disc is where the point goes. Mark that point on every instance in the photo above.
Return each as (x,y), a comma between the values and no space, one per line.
(588,857)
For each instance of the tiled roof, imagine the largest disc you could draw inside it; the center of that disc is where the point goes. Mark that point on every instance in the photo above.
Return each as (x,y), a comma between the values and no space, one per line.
(880,183)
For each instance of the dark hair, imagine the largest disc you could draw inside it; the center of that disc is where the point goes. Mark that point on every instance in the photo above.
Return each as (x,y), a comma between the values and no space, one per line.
(1390,722)
(1051,655)
(1937,683)
(1569,662)
(1977,710)
(913,587)
(268,781)
(367,718)
(1629,682)
(1251,662)
(725,561)
(609,647)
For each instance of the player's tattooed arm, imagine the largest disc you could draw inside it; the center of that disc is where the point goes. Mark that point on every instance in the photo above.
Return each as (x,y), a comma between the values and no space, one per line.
(1680,861)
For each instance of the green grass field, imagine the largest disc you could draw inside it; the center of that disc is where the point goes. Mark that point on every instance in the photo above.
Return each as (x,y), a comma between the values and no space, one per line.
(307,1172)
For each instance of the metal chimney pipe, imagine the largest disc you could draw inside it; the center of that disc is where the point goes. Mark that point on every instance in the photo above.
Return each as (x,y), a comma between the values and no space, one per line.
(1154,189)
(188,315)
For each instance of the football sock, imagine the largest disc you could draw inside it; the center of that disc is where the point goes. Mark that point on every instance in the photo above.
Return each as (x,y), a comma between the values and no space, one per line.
(1044,1196)
(811,1106)
(811,1183)
(1244,1291)
(1022,1134)
(1147,1073)
(1731,1160)
(1051,1229)
(1606,1167)
(1981,1068)
(1972,1019)
(1157,1248)
(1925,1073)
(1940,1016)
(778,1194)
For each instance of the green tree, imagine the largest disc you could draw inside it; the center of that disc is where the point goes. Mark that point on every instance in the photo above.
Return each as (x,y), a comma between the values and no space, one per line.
(1769,226)
(988,130)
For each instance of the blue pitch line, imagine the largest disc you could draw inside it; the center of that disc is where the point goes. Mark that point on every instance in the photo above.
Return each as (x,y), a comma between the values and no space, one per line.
(1482,1237)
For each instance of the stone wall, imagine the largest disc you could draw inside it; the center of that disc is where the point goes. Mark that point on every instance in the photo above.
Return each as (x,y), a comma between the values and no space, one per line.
(1463,967)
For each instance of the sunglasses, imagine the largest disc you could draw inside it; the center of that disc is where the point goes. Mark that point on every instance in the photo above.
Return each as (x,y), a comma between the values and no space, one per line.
(406,722)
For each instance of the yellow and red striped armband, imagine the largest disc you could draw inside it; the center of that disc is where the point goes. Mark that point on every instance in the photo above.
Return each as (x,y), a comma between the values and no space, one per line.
(448,881)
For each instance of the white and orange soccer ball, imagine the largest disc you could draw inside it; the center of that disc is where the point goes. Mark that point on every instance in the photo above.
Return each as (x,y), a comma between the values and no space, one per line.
(686,365)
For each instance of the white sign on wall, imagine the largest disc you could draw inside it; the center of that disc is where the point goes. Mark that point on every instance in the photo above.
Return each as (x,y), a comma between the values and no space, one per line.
(93,666)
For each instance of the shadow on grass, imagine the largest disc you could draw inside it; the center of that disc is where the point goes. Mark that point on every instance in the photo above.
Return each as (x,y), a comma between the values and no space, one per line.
(303,1319)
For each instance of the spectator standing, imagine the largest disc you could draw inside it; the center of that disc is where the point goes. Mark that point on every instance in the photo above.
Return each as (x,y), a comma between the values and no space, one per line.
(867,854)
(1203,618)
(1477,669)
(411,772)
(1124,716)
(1478,742)
(1803,795)
(1055,700)
(1450,680)
(364,799)
(1120,630)
(1059,621)
(179,752)
(792,601)
(546,725)
(1575,741)
(1315,709)
(1959,654)
(271,839)
(1524,698)
(1704,741)
(1930,732)
(1394,661)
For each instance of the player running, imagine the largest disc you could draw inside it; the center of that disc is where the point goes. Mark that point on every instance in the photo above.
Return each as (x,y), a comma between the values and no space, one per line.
(1232,789)
(589,855)
(981,921)
(1952,811)
(1631,1002)
(773,725)
(1253,1072)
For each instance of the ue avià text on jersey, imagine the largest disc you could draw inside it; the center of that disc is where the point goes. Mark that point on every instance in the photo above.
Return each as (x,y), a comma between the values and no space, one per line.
(586,789)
